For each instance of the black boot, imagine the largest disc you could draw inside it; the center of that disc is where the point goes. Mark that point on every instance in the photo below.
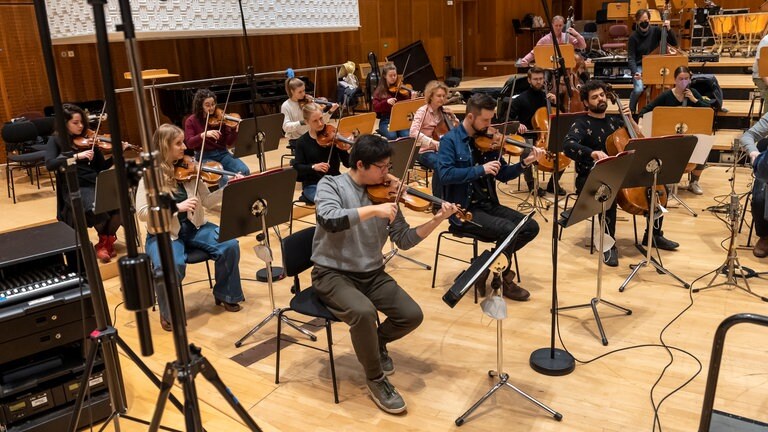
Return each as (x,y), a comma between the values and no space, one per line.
(481,283)
(661,242)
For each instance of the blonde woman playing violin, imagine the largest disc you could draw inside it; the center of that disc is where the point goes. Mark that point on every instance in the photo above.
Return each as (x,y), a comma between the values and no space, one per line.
(294,124)
(189,226)
(217,139)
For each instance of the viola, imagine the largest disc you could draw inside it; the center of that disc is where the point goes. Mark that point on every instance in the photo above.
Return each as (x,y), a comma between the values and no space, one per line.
(218,117)
(416,198)
(547,161)
(633,200)
(328,136)
(186,170)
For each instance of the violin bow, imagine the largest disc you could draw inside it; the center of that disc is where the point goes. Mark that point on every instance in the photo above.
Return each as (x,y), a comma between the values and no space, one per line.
(506,116)
(333,141)
(226,103)
(202,150)
(98,126)
(402,188)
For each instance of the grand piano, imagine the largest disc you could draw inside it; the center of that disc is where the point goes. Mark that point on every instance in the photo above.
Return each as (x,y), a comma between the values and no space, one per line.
(176,101)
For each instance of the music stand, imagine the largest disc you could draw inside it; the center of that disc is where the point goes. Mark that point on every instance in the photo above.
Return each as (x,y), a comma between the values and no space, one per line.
(256,203)
(357,125)
(599,192)
(402,113)
(497,262)
(544,56)
(258,136)
(688,121)
(658,69)
(401,156)
(617,11)
(651,154)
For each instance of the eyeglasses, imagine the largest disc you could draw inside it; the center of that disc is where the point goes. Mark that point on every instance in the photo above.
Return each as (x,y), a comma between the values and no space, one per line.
(384,167)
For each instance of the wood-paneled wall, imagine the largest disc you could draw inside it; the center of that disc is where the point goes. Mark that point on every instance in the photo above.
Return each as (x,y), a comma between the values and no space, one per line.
(386,26)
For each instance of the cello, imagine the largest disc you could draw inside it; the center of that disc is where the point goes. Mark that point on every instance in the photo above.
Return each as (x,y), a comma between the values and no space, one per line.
(631,200)
(541,122)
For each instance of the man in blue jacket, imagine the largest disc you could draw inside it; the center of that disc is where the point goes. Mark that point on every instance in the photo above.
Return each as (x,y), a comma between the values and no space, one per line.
(468,177)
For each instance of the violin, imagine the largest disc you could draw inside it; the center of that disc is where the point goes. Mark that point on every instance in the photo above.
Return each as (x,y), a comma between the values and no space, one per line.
(103,142)
(309,99)
(633,200)
(401,90)
(328,136)
(415,198)
(447,121)
(218,117)
(512,143)
(186,170)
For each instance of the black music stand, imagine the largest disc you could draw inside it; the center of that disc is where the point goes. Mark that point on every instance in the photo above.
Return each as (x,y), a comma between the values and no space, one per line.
(599,192)
(494,306)
(403,149)
(658,161)
(256,203)
(258,136)
(107,197)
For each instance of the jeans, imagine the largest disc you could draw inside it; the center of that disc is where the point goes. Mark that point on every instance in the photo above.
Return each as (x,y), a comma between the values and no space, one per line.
(391,135)
(309,192)
(637,90)
(226,256)
(227,161)
(429,160)
(758,208)
(763,91)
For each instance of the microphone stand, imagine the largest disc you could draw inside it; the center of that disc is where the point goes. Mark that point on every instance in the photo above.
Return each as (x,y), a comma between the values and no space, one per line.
(550,360)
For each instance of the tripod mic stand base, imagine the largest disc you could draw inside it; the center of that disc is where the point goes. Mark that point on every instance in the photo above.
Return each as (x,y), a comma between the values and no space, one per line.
(552,362)
(277,274)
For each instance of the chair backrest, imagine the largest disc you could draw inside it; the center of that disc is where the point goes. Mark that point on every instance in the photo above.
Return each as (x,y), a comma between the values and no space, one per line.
(45,125)
(618,30)
(297,251)
(516,25)
(19,132)
(590,27)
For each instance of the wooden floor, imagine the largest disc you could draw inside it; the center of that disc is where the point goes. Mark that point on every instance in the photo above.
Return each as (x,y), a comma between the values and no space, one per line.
(442,367)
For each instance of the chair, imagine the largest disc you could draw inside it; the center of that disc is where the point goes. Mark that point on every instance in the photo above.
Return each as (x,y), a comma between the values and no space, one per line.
(19,137)
(303,203)
(297,254)
(46,126)
(590,33)
(195,256)
(454,235)
(619,34)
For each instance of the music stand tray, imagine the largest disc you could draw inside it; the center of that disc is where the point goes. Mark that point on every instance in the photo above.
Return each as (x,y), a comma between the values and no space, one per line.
(658,161)
(357,125)
(402,113)
(256,203)
(465,282)
(545,55)
(265,130)
(658,69)
(599,192)
(107,196)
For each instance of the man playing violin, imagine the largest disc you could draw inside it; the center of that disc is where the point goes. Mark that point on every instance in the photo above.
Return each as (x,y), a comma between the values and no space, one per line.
(349,274)
(643,41)
(468,178)
(190,227)
(428,122)
(218,139)
(522,108)
(313,161)
(585,143)
(558,23)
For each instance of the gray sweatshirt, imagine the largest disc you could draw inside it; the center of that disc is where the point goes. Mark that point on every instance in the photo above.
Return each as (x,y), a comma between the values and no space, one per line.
(750,138)
(342,241)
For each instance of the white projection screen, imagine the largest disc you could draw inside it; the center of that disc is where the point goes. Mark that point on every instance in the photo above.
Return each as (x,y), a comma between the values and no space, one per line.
(71,21)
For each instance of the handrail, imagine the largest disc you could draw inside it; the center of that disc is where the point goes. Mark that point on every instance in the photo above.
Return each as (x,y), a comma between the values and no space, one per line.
(229,78)
(714,362)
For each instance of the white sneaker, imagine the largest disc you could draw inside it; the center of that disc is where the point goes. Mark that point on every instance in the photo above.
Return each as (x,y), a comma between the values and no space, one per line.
(694,188)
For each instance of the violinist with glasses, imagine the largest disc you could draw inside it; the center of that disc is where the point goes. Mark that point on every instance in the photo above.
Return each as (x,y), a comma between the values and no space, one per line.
(294,124)
(90,161)
(189,226)
(558,24)
(317,153)
(205,130)
(389,91)
(349,275)
(469,176)
(586,143)
(430,123)
(682,95)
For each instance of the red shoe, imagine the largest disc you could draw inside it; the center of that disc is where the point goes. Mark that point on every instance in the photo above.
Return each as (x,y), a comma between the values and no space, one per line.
(110,245)
(101,249)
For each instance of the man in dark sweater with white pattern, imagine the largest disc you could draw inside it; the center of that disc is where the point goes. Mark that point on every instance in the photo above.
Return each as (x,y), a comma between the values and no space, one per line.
(349,273)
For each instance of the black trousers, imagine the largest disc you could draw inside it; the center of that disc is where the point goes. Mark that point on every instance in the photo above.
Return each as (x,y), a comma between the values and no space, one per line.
(497,222)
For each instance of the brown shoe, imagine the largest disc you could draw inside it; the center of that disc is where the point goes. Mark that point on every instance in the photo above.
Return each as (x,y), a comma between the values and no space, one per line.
(761,248)
(229,307)
(481,283)
(166,325)
(512,290)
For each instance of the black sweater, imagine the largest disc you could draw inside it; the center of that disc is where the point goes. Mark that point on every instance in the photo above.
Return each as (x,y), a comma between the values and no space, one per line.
(641,44)
(309,152)
(524,106)
(668,99)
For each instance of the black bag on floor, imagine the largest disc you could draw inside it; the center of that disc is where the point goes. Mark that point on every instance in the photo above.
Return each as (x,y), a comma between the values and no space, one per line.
(707,85)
